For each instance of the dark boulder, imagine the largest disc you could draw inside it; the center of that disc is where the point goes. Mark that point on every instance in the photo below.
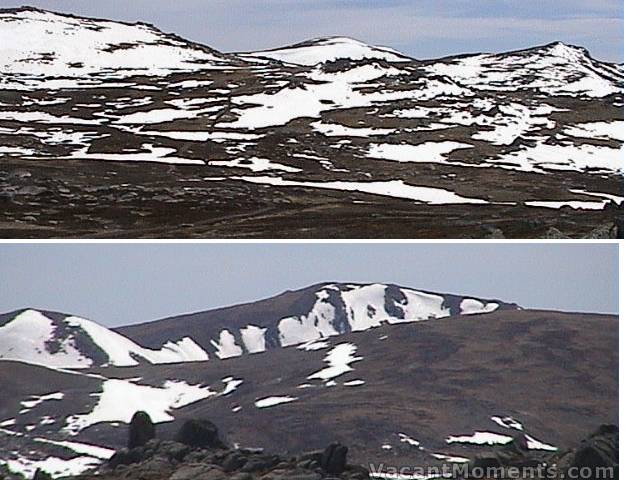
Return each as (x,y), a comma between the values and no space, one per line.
(125,457)
(598,455)
(258,463)
(41,475)
(200,434)
(234,462)
(141,429)
(487,463)
(334,459)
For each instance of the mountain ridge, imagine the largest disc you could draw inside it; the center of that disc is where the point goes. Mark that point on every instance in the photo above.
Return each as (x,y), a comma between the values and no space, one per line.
(308,41)
(292,318)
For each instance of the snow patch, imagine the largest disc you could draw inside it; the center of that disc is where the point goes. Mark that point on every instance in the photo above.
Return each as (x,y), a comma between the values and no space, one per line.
(272,401)
(390,188)
(481,438)
(253,338)
(470,306)
(226,345)
(119,400)
(339,359)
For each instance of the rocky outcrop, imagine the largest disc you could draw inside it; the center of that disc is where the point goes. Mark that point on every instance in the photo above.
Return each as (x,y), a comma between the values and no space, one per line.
(141,430)
(595,457)
(198,453)
(200,434)
(334,459)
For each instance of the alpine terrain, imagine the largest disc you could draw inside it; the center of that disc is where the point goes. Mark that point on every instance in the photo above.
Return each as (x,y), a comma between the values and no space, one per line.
(400,375)
(121,130)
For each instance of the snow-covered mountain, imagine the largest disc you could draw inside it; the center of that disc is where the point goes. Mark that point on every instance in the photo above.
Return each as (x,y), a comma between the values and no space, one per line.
(292,318)
(41,45)
(56,340)
(554,69)
(305,316)
(328,49)
(327,121)
(399,394)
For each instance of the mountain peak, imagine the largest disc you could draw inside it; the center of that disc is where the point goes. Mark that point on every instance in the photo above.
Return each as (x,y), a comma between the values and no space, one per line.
(564,50)
(54,44)
(292,318)
(327,49)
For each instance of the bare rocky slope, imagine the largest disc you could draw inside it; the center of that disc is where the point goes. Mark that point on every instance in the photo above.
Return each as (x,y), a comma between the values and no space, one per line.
(326,138)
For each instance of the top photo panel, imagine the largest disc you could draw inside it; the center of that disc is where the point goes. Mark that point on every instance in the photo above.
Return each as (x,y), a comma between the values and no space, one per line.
(299,119)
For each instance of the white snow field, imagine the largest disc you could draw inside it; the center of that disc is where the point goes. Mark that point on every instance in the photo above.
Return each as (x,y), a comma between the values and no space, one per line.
(156,401)
(230,385)
(544,157)
(508,422)
(481,438)
(273,401)
(449,458)
(365,308)
(339,359)
(390,188)
(328,49)
(555,69)
(82,448)
(58,45)
(36,400)
(404,438)
(328,92)
(253,338)
(470,306)
(26,337)
(226,345)
(56,467)
(600,130)
(429,152)
(492,438)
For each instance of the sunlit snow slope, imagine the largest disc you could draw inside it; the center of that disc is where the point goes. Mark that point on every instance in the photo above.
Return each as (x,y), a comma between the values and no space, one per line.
(328,49)
(306,315)
(37,43)
(56,340)
(292,318)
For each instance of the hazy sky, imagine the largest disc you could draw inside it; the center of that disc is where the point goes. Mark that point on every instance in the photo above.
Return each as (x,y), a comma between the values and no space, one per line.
(118,284)
(421,28)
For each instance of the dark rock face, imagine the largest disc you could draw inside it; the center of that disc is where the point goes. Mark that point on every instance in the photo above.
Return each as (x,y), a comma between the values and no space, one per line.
(200,434)
(141,429)
(334,459)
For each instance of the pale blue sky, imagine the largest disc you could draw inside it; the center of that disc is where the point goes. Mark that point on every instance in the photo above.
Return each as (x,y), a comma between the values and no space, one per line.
(117,284)
(421,28)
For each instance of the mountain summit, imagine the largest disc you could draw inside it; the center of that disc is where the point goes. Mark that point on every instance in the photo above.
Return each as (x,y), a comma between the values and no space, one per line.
(328,49)
(42,43)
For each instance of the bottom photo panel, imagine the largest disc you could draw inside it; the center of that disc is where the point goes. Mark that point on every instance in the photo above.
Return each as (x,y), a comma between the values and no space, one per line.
(286,361)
